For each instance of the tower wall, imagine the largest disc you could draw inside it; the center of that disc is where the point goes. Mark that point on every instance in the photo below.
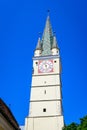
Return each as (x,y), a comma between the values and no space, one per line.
(46,93)
(46,123)
(53,108)
(45,80)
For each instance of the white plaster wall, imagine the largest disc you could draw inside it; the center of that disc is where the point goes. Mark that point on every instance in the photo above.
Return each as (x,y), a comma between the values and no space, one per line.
(57,66)
(45,80)
(37,53)
(48,82)
(29,124)
(60,122)
(52,108)
(46,123)
(45,93)
(55,51)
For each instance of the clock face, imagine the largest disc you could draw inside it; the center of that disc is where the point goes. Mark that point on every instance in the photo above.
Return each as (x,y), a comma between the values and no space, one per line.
(45,66)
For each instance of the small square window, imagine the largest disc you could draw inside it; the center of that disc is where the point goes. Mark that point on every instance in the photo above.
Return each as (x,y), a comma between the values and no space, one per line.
(55,61)
(44,109)
(45,82)
(36,63)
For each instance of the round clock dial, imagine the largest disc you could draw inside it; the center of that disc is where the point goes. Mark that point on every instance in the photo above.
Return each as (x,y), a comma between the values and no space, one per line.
(45,66)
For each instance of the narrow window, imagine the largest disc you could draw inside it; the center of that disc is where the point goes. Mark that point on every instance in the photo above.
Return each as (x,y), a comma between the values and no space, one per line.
(55,61)
(44,91)
(45,82)
(44,109)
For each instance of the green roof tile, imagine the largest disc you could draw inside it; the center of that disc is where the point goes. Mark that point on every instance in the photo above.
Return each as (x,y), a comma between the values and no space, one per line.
(54,45)
(47,38)
(38,47)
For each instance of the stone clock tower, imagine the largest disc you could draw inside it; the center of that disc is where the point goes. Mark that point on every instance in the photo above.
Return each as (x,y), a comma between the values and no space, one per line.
(45,112)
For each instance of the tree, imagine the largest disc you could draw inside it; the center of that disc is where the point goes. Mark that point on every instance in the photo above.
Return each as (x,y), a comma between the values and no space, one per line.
(75,126)
(72,126)
(83,124)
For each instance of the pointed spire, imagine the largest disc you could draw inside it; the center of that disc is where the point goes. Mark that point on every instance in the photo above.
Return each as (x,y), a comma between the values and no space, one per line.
(47,38)
(54,43)
(38,47)
(48,42)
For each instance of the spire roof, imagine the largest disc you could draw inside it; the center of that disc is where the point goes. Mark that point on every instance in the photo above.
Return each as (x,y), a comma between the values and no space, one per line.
(54,43)
(38,47)
(47,38)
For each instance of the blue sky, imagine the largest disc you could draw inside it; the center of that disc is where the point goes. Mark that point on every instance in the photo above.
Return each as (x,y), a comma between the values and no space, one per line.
(20,23)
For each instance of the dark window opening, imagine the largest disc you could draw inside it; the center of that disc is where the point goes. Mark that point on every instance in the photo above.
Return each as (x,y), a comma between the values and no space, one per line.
(45,82)
(55,61)
(44,91)
(44,110)
(36,63)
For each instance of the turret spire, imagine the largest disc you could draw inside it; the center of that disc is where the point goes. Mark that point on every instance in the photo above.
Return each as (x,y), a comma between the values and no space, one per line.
(38,47)
(54,43)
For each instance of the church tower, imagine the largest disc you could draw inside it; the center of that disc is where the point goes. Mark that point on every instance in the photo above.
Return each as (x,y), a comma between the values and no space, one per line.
(45,112)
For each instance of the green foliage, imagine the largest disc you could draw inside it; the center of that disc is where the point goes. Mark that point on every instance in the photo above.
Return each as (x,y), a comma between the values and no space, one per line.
(83,124)
(74,126)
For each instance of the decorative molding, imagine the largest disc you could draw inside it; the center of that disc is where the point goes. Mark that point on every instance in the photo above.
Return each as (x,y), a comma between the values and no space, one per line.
(45,100)
(46,57)
(45,116)
(44,74)
(47,85)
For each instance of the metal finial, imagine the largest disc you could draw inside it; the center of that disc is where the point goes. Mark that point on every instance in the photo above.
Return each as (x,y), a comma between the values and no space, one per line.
(48,11)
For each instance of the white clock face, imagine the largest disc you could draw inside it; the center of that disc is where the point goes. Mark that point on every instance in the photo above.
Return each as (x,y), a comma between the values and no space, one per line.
(45,66)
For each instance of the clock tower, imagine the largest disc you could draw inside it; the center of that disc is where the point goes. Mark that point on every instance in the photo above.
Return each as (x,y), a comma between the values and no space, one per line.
(45,111)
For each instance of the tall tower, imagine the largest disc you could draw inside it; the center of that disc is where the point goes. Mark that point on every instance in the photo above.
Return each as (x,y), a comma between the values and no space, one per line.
(45,112)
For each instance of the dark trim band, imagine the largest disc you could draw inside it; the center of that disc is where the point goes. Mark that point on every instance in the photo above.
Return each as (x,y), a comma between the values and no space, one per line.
(46,57)
(47,85)
(46,74)
(45,116)
(45,100)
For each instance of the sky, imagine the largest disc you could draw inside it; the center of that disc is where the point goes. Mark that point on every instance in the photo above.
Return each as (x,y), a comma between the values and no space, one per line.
(20,24)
